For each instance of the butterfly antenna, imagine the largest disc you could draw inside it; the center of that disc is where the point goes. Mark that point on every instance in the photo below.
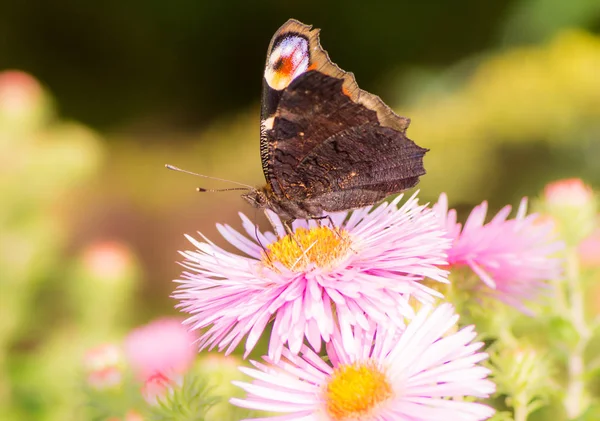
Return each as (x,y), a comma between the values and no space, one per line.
(203,190)
(246,186)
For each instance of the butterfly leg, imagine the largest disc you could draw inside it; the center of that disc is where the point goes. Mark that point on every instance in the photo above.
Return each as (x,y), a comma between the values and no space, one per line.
(287,224)
(277,233)
(337,230)
(332,226)
(265,251)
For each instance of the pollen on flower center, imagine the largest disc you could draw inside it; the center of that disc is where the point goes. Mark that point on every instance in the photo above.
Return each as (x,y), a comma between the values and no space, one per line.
(356,391)
(319,246)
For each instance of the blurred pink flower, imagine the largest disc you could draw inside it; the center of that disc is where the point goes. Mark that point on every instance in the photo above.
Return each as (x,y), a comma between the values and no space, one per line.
(421,374)
(589,250)
(108,260)
(513,257)
(132,415)
(568,192)
(106,378)
(573,206)
(365,269)
(102,356)
(103,365)
(163,346)
(19,93)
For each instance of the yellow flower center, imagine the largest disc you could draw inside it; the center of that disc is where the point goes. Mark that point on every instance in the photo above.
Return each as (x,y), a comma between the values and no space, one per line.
(356,391)
(320,246)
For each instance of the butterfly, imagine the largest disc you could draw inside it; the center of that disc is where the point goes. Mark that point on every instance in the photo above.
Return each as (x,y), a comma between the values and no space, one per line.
(325,144)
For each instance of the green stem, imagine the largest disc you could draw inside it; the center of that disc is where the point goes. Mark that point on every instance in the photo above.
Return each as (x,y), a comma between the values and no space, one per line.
(521,412)
(576,400)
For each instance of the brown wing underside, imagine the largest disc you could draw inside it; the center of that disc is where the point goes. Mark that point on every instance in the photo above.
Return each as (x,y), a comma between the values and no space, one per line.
(322,141)
(367,157)
(328,108)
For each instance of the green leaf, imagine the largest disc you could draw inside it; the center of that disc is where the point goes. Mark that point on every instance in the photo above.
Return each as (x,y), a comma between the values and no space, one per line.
(188,402)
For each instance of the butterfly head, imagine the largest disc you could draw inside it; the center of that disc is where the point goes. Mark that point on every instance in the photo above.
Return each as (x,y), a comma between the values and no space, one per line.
(258,198)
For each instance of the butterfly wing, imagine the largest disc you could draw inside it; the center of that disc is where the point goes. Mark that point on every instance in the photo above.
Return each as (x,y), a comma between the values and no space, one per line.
(325,143)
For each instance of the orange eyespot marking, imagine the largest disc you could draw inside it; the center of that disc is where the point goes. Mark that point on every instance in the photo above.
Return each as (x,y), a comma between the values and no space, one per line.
(345,91)
(284,66)
(312,67)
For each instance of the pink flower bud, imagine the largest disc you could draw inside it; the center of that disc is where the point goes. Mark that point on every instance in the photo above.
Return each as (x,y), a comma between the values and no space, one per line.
(108,260)
(157,386)
(106,378)
(569,192)
(103,365)
(20,93)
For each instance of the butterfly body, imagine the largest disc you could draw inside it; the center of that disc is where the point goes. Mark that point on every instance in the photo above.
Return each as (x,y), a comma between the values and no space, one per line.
(326,145)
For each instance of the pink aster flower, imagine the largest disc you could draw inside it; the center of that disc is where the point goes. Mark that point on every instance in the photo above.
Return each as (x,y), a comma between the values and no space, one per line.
(513,257)
(162,347)
(364,269)
(378,374)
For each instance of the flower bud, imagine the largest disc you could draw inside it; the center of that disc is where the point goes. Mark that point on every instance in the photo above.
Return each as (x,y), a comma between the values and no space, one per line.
(23,104)
(158,385)
(103,365)
(573,205)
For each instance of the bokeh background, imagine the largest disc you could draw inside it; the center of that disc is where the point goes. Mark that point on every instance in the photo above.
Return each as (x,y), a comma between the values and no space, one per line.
(96,97)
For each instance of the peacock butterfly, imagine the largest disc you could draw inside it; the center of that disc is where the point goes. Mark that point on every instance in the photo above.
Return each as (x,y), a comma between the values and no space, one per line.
(326,145)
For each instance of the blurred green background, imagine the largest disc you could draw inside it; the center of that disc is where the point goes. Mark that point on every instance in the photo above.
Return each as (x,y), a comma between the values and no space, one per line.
(96,97)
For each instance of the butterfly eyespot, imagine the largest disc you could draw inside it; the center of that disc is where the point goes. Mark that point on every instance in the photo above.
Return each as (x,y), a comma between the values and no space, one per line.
(289,58)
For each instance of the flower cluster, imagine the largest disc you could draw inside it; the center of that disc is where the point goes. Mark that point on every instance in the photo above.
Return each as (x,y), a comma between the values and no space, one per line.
(363,284)
(154,359)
